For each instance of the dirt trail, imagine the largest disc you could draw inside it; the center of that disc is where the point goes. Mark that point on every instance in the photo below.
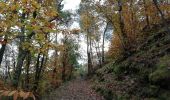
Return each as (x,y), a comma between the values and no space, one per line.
(74,90)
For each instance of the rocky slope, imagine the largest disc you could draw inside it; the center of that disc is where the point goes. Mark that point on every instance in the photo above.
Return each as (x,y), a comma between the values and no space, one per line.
(143,75)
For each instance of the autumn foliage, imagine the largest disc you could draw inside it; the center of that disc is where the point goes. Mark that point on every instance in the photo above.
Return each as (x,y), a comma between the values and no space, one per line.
(31,54)
(138,18)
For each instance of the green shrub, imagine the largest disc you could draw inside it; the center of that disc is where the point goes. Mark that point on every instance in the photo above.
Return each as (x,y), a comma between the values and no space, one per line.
(161,76)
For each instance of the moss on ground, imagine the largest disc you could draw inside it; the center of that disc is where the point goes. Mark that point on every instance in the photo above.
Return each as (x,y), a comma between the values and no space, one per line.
(143,75)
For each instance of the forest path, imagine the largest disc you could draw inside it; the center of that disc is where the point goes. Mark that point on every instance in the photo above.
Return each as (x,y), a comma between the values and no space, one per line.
(77,89)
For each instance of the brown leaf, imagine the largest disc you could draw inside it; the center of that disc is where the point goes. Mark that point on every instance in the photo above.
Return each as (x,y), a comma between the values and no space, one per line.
(5,93)
(1,91)
(32,95)
(26,95)
(15,96)
(5,88)
(22,94)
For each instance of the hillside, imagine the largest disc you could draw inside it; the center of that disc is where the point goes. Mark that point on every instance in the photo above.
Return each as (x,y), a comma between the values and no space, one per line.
(143,75)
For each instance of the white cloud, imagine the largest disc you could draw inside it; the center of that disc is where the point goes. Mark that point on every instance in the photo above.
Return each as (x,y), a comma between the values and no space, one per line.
(71,4)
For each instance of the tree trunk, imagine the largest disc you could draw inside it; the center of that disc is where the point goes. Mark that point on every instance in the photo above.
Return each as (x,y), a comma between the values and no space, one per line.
(2,50)
(21,56)
(55,59)
(39,67)
(103,44)
(64,59)
(161,14)
(89,57)
(27,70)
(91,53)
(122,30)
(146,14)
(17,72)
(43,60)
(36,72)
(98,54)
(63,67)
(71,71)
(121,22)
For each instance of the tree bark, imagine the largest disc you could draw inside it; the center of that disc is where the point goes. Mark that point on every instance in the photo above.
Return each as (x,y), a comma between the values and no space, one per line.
(146,14)
(2,50)
(89,62)
(161,14)
(64,59)
(27,70)
(36,72)
(39,67)
(21,56)
(122,29)
(103,44)
(17,72)
(91,52)
(64,68)
(98,53)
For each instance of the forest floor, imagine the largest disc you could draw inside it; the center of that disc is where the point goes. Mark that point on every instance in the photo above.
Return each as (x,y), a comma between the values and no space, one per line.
(78,89)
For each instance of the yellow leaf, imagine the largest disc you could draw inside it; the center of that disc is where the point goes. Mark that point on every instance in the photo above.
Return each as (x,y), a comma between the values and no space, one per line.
(2,4)
(13,7)
(11,93)
(24,1)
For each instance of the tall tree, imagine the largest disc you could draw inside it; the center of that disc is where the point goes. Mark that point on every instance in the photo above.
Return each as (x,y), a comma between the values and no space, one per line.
(103,44)
(2,50)
(161,14)
(146,13)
